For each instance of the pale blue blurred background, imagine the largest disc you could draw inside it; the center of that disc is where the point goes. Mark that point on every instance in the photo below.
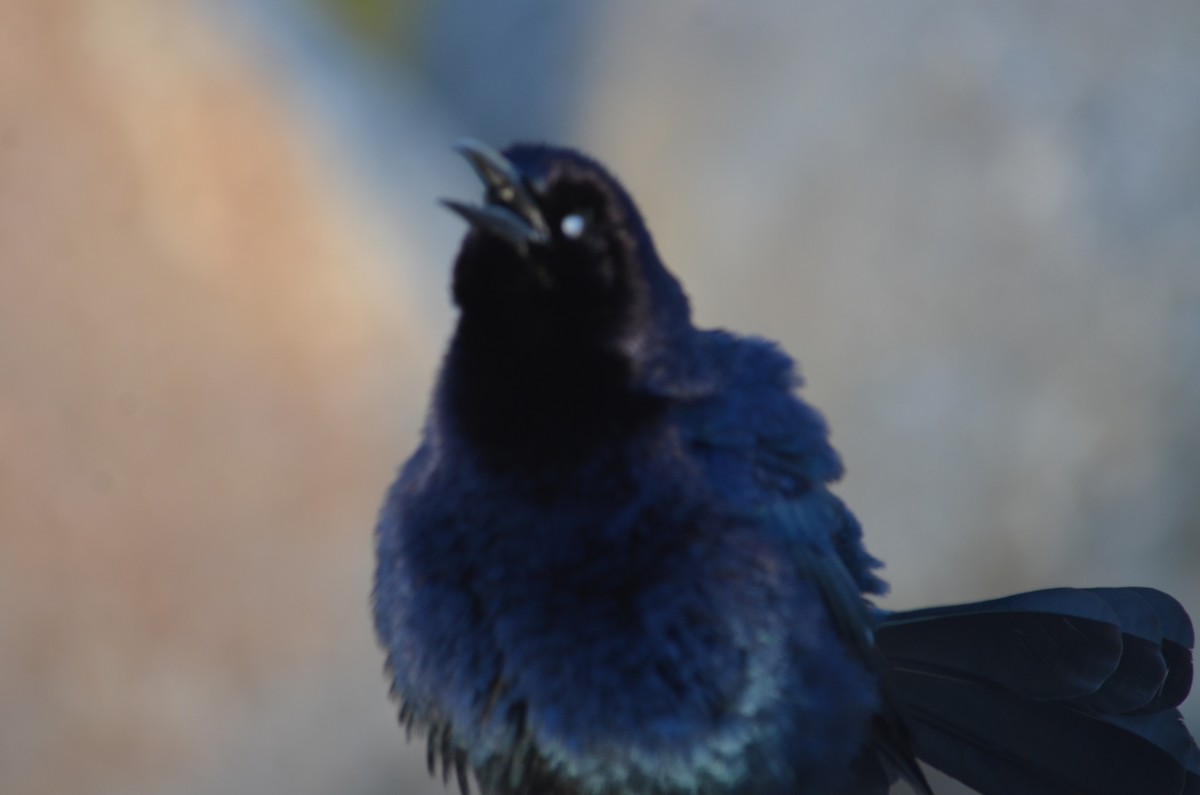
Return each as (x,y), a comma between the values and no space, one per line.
(977,226)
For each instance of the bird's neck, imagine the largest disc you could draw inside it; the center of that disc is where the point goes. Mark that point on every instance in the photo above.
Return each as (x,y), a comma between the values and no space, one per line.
(544,399)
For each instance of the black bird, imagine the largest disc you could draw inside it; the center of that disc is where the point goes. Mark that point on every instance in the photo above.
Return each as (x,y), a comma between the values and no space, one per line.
(614,565)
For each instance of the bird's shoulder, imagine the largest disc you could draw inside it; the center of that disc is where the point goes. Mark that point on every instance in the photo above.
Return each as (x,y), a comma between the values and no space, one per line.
(767,452)
(752,411)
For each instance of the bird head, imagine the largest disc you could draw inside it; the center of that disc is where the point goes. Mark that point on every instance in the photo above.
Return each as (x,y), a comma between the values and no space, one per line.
(571,330)
(558,253)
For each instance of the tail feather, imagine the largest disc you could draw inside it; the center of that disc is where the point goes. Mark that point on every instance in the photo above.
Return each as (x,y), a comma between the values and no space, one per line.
(1059,643)
(1165,730)
(1050,692)
(1178,639)
(1142,670)
(998,743)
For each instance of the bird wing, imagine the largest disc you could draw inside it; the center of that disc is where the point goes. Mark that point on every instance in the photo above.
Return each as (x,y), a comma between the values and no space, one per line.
(821,565)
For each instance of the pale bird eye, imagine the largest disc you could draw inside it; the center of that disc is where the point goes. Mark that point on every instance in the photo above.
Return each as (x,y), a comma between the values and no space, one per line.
(573,225)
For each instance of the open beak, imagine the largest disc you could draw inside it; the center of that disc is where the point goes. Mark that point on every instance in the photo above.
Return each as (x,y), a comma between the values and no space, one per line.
(510,212)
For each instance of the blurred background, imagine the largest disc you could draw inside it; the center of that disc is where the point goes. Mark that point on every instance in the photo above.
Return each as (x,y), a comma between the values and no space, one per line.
(223,298)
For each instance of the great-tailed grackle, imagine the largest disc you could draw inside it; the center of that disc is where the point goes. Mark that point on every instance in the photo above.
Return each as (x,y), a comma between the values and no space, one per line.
(614,566)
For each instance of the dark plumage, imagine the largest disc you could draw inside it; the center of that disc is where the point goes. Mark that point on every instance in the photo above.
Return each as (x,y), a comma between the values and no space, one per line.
(614,567)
